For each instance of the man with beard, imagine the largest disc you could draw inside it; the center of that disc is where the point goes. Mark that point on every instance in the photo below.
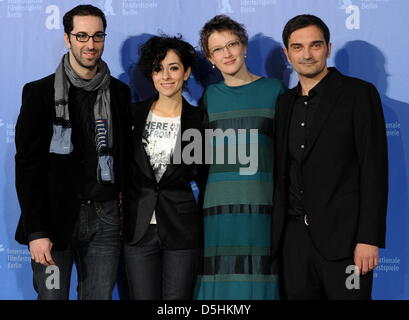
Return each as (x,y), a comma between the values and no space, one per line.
(332,176)
(69,165)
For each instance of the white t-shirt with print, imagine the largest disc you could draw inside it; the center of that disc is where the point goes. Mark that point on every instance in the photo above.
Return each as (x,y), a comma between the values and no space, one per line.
(159,140)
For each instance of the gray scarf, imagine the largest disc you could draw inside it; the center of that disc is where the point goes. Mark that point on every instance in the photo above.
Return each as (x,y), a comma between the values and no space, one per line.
(61,140)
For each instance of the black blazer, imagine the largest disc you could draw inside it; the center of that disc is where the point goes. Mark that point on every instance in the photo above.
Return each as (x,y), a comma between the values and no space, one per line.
(47,183)
(177,213)
(344,171)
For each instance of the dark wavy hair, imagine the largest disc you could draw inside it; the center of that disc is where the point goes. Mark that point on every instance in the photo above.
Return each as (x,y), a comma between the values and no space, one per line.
(303,21)
(82,10)
(221,23)
(153,51)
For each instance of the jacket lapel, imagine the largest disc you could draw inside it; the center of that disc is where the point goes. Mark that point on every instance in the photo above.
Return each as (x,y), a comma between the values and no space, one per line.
(287,111)
(185,123)
(141,111)
(325,107)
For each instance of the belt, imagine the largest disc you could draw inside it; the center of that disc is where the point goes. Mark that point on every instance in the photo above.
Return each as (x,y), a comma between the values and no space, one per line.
(298,217)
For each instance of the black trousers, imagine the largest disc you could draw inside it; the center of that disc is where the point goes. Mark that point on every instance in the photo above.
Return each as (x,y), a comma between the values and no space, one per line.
(155,272)
(307,275)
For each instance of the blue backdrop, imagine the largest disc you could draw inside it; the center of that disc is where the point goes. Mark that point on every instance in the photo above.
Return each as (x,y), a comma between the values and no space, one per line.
(369,40)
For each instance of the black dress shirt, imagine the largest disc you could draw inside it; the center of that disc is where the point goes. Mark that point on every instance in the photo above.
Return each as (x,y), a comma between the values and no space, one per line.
(302,119)
(81,108)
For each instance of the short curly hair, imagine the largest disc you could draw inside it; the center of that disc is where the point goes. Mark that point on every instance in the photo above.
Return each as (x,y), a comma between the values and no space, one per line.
(153,51)
(221,23)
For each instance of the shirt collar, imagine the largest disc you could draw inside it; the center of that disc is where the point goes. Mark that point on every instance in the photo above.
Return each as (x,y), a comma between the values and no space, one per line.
(318,89)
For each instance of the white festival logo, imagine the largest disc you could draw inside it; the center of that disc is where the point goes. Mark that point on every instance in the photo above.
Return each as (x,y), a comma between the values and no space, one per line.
(343,4)
(52,22)
(108,8)
(353,21)
(225,6)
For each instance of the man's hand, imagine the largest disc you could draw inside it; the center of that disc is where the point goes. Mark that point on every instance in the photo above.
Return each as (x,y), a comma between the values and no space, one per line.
(40,250)
(366,257)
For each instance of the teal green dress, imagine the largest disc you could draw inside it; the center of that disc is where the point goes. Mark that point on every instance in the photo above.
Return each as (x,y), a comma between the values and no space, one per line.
(237,207)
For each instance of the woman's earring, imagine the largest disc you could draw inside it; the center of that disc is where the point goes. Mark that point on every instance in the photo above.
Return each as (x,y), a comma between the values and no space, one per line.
(213,66)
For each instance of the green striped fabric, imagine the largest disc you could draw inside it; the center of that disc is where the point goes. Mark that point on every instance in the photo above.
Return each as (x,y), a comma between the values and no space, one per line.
(237,207)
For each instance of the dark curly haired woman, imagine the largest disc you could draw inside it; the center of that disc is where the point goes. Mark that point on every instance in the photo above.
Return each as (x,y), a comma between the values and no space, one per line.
(162,220)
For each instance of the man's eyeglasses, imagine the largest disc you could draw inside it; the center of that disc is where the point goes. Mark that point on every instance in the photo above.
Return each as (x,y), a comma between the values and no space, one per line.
(231,47)
(84,37)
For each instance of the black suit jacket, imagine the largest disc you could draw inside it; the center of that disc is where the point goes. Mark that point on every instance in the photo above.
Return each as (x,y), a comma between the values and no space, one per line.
(177,213)
(344,171)
(47,183)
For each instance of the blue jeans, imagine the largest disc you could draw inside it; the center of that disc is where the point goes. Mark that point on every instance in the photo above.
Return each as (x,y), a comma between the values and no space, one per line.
(95,249)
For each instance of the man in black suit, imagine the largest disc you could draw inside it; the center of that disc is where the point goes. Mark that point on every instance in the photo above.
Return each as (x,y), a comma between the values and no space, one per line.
(70,142)
(332,175)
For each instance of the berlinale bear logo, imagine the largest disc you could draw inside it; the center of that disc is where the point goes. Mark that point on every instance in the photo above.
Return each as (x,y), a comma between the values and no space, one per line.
(225,6)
